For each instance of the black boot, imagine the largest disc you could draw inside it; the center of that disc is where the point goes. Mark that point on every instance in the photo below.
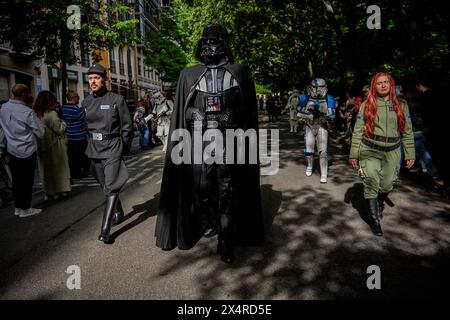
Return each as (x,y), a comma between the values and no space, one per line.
(382,196)
(210,232)
(226,250)
(374,217)
(118,213)
(107,217)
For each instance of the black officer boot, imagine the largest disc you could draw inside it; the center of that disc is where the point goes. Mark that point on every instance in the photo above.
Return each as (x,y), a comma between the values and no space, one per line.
(374,217)
(107,217)
(225,249)
(382,196)
(210,232)
(209,219)
(118,213)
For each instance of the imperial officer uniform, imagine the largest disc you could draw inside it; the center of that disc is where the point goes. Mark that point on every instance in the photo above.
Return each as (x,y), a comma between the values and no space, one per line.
(110,136)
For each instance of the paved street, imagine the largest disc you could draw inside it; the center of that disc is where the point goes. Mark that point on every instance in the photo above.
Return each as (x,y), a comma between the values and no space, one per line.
(317,246)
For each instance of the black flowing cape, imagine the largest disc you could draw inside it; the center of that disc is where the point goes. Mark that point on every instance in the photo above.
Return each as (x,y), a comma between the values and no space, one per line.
(177,223)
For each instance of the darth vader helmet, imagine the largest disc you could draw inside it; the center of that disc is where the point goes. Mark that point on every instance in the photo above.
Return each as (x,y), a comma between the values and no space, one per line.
(213,46)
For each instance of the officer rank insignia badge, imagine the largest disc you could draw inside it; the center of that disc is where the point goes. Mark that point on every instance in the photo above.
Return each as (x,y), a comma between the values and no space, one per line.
(213,103)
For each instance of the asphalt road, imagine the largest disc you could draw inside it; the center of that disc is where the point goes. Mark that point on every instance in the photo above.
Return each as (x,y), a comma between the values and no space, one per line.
(317,246)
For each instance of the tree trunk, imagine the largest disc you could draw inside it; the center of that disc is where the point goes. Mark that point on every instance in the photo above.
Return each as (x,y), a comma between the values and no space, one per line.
(310,69)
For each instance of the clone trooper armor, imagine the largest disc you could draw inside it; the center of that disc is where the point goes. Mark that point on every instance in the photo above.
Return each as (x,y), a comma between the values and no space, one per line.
(316,110)
(162,113)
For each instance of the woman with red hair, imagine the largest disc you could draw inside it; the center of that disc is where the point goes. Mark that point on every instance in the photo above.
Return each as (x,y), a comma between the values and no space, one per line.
(382,126)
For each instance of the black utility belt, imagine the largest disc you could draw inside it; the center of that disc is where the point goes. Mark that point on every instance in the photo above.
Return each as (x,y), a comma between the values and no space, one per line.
(380,148)
(386,139)
(103,136)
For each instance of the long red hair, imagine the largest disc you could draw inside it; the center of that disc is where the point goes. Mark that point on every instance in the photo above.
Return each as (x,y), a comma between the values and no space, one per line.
(370,109)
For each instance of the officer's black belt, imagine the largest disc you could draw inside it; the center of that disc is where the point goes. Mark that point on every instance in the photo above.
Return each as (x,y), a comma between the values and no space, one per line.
(386,139)
(380,148)
(103,136)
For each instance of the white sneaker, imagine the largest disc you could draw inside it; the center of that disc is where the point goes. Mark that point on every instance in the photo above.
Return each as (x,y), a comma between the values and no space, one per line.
(29,212)
(323,179)
(309,171)
(17,211)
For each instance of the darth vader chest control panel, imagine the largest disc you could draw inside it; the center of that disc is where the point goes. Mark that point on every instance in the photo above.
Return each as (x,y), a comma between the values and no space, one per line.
(217,101)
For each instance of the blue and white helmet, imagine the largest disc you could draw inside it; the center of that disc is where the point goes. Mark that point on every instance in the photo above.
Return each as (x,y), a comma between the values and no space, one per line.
(318,88)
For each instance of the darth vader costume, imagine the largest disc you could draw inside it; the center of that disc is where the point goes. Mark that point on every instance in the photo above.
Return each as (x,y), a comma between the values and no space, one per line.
(200,199)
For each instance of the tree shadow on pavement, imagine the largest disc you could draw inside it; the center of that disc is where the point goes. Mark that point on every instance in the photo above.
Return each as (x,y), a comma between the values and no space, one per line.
(318,248)
(271,202)
(355,196)
(145,210)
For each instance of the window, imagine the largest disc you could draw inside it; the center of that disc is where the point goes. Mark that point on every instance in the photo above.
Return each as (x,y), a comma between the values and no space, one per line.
(139,66)
(130,71)
(121,62)
(112,61)
(71,54)
(85,60)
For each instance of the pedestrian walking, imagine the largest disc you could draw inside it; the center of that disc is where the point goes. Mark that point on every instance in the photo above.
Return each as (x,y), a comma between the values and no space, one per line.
(291,107)
(53,162)
(316,112)
(76,131)
(212,198)
(141,118)
(110,135)
(162,113)
(383,122)
(21,126)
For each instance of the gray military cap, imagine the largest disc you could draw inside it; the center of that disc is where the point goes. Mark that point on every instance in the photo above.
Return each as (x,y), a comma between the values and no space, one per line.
(97,69)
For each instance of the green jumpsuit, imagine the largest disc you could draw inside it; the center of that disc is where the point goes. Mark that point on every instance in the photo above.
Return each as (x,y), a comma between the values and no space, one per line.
(379,167)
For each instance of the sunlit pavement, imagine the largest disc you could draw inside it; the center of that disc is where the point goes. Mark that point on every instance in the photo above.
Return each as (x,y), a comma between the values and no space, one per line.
(317,246)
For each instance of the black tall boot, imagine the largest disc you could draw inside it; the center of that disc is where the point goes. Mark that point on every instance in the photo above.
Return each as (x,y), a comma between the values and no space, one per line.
(374,217)
(225,248)
(118,213)
(107,217)
(382,196)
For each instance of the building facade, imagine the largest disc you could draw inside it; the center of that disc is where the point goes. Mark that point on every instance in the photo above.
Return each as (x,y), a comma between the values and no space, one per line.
(128,75)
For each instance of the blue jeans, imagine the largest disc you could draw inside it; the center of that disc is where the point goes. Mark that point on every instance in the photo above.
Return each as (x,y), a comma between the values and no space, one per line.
(423,155)
(144,137)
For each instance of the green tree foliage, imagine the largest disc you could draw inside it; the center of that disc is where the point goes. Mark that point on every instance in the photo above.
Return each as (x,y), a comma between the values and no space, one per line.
(40,28)
(286,42)
(166,53)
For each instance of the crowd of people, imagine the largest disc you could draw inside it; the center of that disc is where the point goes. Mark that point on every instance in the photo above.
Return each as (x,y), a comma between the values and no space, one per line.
(40,133)
(386,127)
(383,127)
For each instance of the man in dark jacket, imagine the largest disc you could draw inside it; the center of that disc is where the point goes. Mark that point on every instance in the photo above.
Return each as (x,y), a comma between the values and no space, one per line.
(200,198)
(110,136)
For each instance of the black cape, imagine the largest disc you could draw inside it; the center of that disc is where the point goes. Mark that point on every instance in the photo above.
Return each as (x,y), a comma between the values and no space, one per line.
(177,223)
